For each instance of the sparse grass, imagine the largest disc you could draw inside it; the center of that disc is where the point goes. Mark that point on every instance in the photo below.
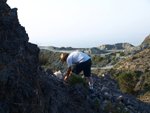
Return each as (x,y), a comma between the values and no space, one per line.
(134,57)
(144,96)
(51,60)
(116,66)
(145,85)
(97,105)
(43,59)
(146,69)
(97,60)
(122,54)
(136,73)
(112,58)
(95,71)
(141,56)
(117,108)
(113,62)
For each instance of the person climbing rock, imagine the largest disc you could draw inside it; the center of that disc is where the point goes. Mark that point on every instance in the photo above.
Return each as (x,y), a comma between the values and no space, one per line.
(82,63)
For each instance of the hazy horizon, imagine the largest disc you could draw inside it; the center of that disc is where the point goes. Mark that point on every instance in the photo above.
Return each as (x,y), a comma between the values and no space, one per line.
(76,47)
(84,23)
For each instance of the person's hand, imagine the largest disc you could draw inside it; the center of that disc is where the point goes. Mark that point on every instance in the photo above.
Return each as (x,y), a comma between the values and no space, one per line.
(66,78)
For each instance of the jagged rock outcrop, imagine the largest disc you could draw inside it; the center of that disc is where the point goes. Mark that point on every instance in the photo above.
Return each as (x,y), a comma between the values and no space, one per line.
(18,65)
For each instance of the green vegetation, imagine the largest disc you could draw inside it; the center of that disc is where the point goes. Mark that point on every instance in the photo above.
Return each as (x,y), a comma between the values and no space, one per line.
(77,80)
(146,69)
(145,85)
(126,82)
(144,96)
(95,71)
(96,59)
(146,80)
(136,73)
(97,104)
(48,59)
(43,59)
(134,57)
(120,54)
(112,58)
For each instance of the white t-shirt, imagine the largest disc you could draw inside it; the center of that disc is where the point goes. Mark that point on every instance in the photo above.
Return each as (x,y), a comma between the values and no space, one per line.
(77,57)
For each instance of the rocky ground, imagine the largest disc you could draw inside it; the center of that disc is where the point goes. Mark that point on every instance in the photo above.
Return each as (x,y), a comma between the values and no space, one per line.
(109,91)
(106,97)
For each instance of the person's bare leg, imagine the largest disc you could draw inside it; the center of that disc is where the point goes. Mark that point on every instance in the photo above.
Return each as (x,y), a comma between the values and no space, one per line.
(90,80)
(90,83)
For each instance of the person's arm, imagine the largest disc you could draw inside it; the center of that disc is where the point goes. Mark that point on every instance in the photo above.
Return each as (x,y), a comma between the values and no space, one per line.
(68,73)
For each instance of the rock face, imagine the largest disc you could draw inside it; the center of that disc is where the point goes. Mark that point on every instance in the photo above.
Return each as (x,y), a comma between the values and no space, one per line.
(18,65)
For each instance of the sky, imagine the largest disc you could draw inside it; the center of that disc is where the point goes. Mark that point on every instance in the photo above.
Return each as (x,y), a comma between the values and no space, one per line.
(84,23)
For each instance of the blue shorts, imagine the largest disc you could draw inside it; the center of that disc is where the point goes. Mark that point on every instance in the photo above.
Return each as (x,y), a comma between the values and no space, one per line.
(84,66)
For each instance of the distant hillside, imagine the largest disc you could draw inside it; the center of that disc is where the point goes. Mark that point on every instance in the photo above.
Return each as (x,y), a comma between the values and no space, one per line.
(146,41)
(104,48)
(116,46)
(53,60)
(139,61)
(95,50)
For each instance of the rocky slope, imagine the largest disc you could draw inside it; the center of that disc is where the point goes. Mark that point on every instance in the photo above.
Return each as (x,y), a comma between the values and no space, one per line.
(146,40)
(107,96)
(138,61)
